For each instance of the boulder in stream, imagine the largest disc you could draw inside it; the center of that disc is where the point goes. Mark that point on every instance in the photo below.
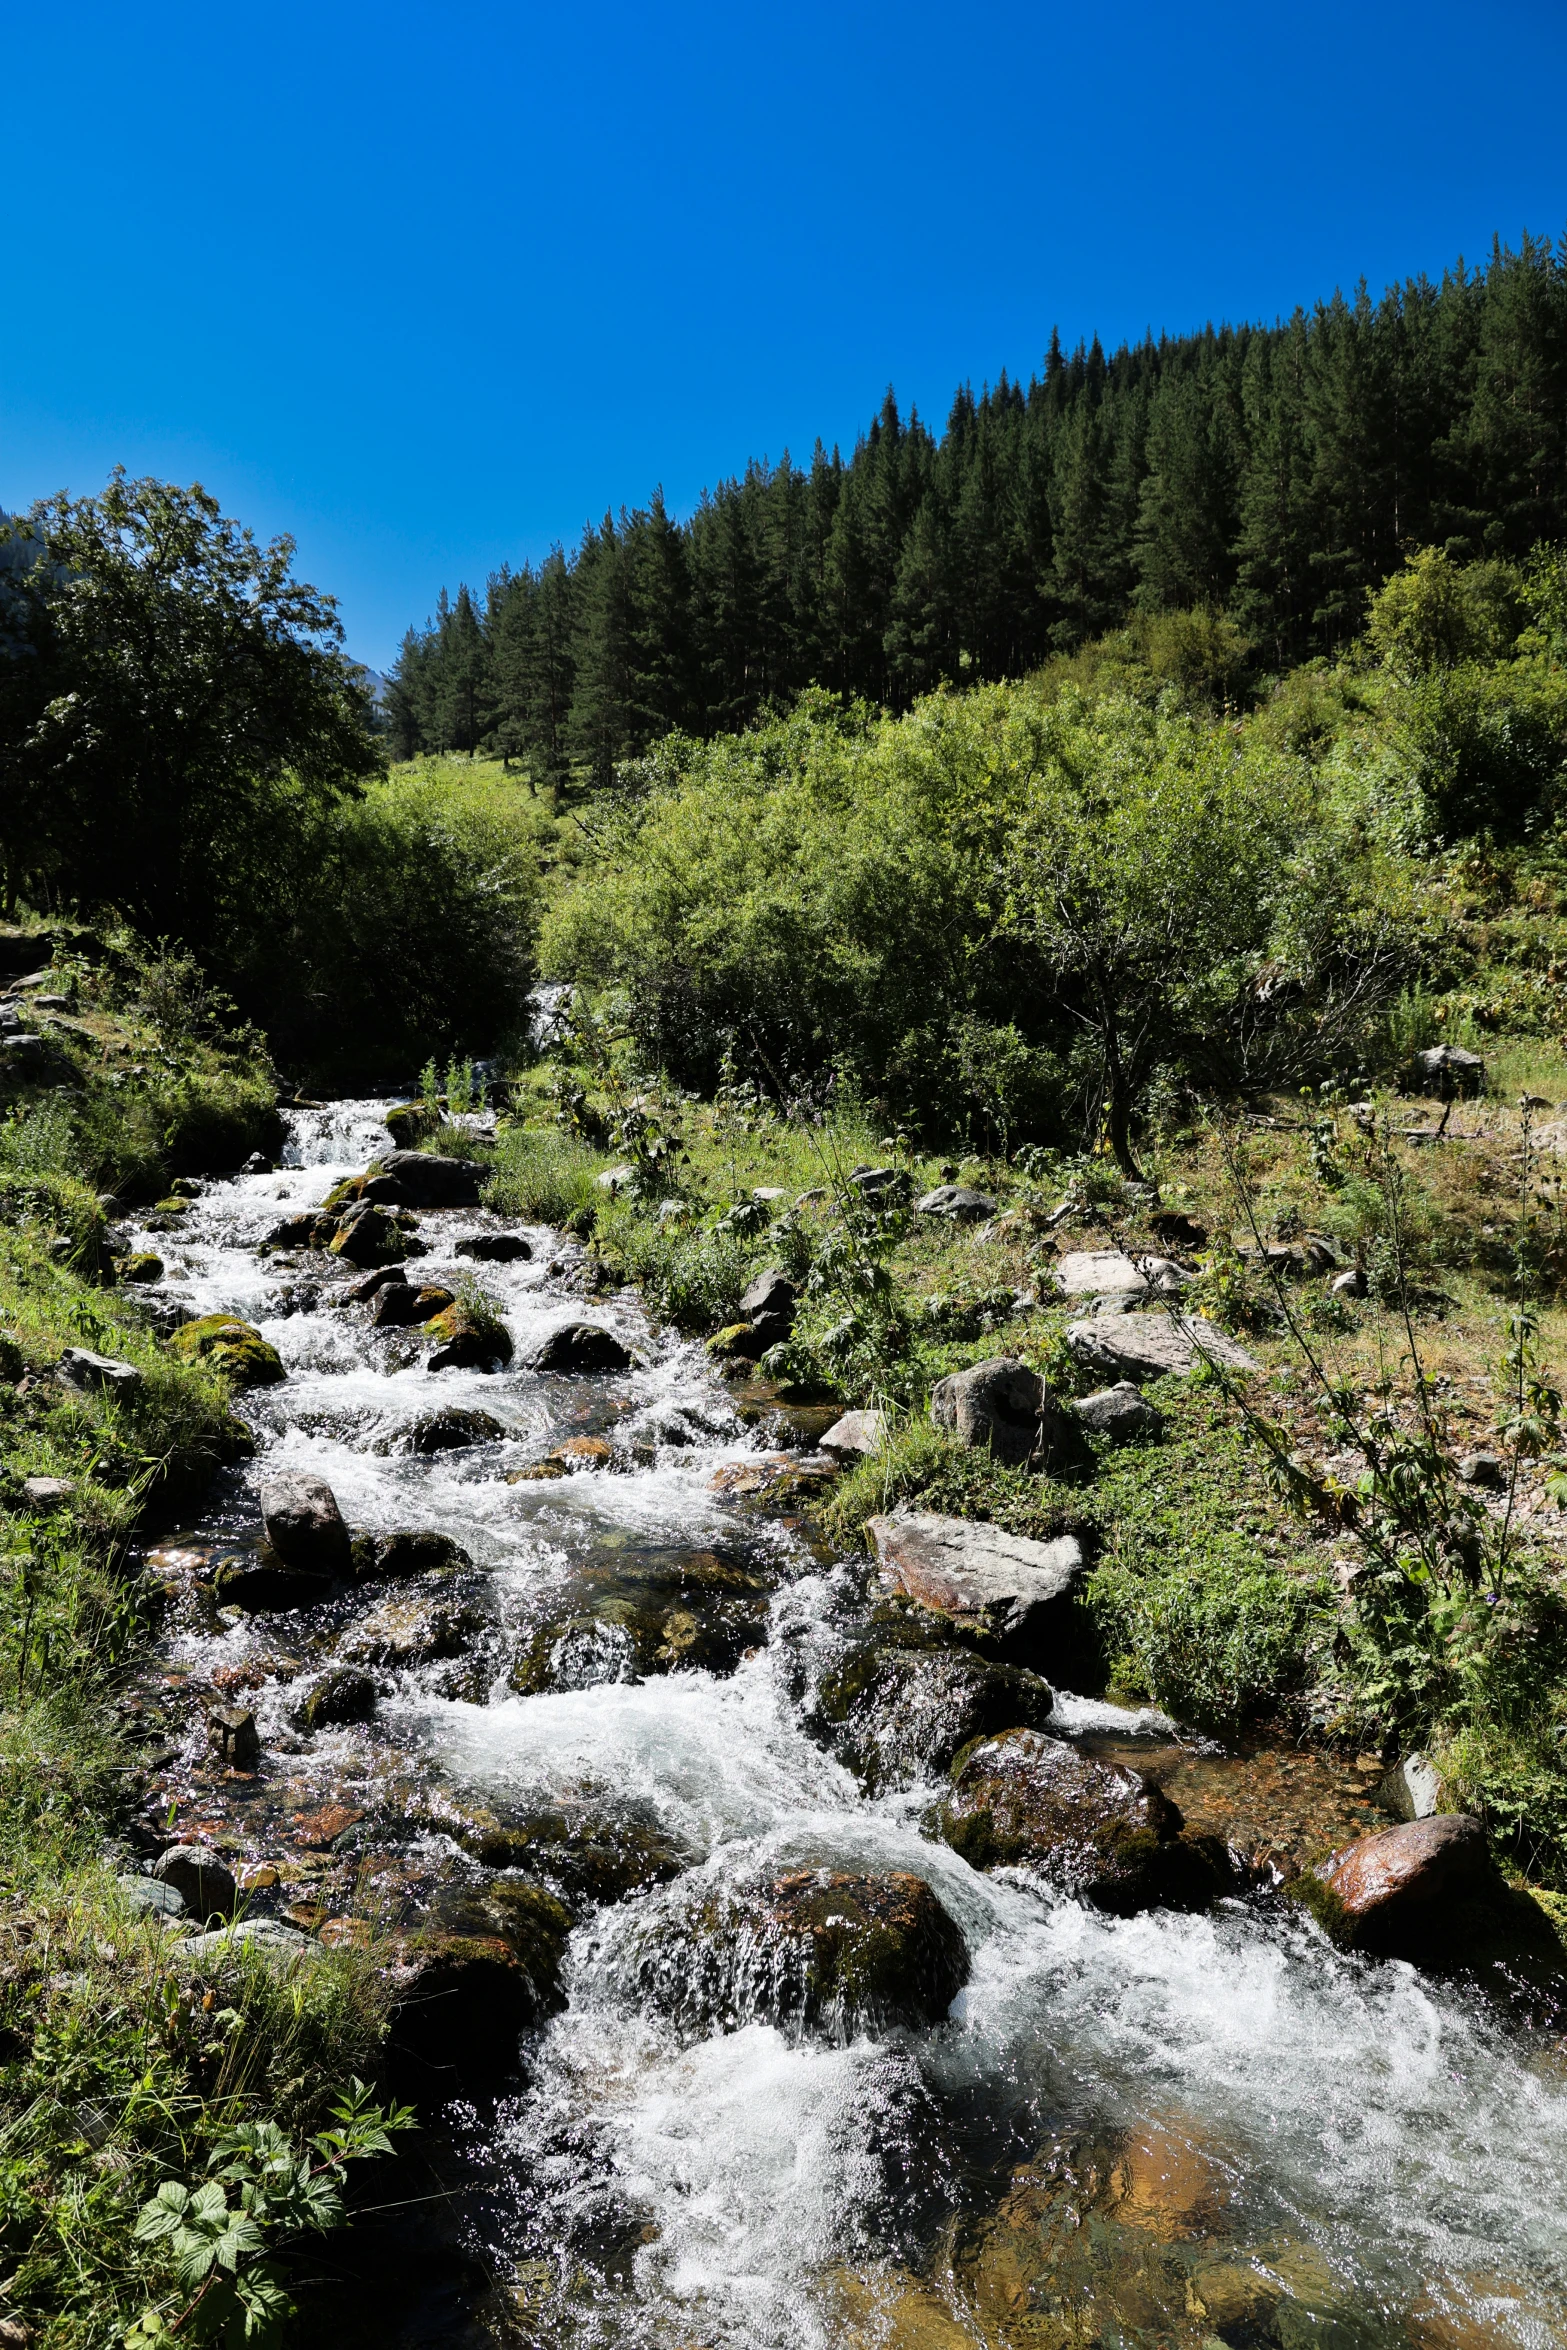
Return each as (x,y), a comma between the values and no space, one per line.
(1012,1595)
(1107,1835)
(421,1179)
(234,1347)
(417,1630)
(821,1949)
(397,1557)
(588,1851)
(1429,1891)
(636,1617)
(399,1305)
(366,1235)
(580,1347)
(461,2002)
(339,1695)
(495,1248)
(466,1341)
(304,1524)
(902,1703)
(452,1430)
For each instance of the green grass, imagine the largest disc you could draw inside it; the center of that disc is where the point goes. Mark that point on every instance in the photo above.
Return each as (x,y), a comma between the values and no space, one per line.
(545,1177)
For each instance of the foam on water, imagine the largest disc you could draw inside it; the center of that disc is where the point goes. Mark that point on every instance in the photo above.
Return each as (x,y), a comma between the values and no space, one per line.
(1391,2123)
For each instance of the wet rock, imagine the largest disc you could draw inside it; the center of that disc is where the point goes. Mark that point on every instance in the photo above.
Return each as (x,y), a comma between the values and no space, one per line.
(339,1696)
(413,1631)
(459,2005)
(234,1347)
(301,1231)
(495,1248)
(265,1586)
(957,1203)
(453,1429)
(775,1480)
(140,1266)
(900,1708)
(1010,1594)
(1003,1408)
(1120,1412)
(370,1285)
(1106,1835)
(1427,1891)
(46,1493)
(814,1949)
(581,1347)
(105,1374)
(656,1614)
(400,1305)
(148,1897)
(857,1436)
(420,1179)
(233,1736)
(1148,1346)
(304,1524)
(1446,1071)
(467,1342)
(589,1853)
(1098,1272)
(772,1292)
(199,1878)
(366,1235)
(398,1557)
(578,1452)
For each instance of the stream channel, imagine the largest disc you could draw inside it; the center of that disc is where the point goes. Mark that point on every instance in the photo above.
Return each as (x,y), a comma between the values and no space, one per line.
(1163,2129)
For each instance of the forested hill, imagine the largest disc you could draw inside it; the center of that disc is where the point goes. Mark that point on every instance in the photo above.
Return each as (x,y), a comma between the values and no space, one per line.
(1273,472)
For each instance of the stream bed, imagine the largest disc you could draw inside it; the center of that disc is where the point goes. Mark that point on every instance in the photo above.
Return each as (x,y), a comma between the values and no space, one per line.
(1157,2130)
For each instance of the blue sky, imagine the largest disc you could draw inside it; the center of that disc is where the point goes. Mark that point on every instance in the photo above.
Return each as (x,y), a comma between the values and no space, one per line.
(429,286)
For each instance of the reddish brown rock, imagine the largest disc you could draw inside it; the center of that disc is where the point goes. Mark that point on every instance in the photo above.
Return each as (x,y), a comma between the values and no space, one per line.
(1421,1891)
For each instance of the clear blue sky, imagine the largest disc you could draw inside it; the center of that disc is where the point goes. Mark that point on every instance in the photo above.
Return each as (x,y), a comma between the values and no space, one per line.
(428,286)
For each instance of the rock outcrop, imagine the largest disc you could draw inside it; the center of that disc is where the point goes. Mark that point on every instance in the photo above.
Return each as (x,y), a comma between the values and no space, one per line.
(1151,1346)
(1009,1594)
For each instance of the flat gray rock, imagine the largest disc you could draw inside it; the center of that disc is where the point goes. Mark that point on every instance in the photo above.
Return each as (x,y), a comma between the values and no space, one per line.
(1096,1272)
(987,1582)
(270,1936)
(79,1367)
(1149,1346)
(150,1898)
(958,1202)
(857,1435)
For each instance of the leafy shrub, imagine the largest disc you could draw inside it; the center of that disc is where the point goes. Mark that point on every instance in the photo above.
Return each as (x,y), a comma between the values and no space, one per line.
(1212,1643)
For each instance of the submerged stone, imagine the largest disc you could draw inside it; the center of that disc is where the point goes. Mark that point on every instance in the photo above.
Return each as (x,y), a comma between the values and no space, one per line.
(339,1696)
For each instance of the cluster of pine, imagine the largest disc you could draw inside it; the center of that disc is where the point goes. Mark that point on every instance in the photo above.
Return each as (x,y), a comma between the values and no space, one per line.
(1276,474)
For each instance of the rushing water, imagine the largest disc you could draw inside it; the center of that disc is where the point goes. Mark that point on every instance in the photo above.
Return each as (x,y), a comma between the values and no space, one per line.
(1168,2129)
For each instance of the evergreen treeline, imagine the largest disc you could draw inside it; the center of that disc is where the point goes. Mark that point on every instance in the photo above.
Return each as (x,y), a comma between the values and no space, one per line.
(1276,473)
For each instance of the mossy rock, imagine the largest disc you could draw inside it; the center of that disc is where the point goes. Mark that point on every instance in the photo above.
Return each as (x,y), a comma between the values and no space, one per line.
(736,1342)
(410,1122)
(590,1855)
(234,1347)
(341,1695)
(467,1341)
(820,1949)
(172,1206)
(897,1710)
(342,1194)
(1106,1835)
(142,1266)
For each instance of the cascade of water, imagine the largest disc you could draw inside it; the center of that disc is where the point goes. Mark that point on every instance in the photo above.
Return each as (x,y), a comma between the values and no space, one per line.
(1379,2155)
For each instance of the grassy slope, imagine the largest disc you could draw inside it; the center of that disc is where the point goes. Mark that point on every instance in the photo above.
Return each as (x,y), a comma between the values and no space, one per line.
(114,2068)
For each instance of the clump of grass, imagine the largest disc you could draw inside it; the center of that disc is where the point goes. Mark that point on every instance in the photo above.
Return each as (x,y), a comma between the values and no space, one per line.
(694,1279)
(545,1177)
